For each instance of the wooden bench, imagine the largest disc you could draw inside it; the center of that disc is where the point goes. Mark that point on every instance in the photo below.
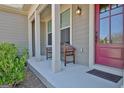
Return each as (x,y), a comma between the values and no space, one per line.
(66,50)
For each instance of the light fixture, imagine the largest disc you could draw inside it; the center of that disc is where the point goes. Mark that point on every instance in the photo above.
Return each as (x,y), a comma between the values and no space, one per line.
(78,11)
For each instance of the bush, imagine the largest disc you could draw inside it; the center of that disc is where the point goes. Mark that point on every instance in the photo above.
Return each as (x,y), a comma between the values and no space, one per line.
(12,66)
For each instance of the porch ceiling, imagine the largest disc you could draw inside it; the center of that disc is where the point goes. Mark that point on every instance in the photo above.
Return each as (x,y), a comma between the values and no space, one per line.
(46,13)
(24,7)
(18,6)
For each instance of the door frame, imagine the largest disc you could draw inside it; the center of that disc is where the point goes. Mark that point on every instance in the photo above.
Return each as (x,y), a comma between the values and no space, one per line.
(92,49)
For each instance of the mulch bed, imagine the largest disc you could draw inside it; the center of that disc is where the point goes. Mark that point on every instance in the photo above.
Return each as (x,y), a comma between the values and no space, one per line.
(30,81)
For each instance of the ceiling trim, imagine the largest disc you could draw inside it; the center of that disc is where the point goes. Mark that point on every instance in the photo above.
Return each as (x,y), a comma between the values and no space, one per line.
(32,10)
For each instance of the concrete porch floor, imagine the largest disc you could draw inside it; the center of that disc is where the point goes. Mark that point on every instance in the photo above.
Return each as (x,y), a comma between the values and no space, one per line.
(71,76)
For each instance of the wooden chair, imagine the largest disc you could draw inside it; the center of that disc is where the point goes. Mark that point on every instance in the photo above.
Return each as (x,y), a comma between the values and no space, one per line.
(68,51)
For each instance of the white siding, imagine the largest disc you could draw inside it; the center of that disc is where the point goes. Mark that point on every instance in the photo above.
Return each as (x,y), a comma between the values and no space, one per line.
(14,29)
(80,34)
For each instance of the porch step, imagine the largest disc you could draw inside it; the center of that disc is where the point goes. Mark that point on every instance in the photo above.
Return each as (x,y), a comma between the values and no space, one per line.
(45,82)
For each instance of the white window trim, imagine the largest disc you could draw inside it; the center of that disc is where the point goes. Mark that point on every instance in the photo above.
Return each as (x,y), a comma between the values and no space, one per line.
(64,27)
(46,33)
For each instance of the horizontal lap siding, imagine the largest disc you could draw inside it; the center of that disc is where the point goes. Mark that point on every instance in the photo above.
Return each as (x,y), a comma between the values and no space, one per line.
(43,38)
(80,33)
(14,29)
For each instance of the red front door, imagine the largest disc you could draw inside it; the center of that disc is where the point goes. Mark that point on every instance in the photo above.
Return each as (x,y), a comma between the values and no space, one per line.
(109,37)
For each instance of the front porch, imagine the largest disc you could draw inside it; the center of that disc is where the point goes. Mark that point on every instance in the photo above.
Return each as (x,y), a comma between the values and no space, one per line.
(45,30)
(71,76)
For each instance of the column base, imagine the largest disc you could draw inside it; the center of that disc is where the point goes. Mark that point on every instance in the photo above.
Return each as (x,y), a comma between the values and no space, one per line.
(38,59)
(56,66)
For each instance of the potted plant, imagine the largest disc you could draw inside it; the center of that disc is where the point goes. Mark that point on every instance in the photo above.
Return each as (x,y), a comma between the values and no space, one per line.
(12,66)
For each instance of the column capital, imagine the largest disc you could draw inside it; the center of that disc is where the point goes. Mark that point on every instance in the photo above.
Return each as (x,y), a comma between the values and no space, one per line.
(37,12)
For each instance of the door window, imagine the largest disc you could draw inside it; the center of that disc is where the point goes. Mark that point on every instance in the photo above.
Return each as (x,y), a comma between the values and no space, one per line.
(117,29)
(111,24)
(104,31)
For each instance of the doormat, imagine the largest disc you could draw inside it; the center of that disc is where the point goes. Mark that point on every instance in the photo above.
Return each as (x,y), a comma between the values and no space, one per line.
(105,75)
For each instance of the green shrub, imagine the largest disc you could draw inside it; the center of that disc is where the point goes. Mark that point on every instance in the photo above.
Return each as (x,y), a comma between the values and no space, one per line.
(12,66)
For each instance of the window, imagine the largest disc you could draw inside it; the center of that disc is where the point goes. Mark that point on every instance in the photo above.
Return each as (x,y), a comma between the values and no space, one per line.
(104,31)
(65,35)
(117,29)
(65,26)
(49,25)
(111,24)
(104,10)
(116,8)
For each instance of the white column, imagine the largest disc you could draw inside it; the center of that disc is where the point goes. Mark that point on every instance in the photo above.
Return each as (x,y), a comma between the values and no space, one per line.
(30,38)
(37,36)
(56,63)
(91,36)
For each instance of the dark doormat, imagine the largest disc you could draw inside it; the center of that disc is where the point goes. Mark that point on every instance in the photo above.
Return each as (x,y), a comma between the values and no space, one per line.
(105,75)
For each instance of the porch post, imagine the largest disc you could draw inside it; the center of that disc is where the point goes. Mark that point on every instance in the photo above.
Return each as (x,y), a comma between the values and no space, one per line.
(37,35)
(91,36)
(30,38)
(56,63)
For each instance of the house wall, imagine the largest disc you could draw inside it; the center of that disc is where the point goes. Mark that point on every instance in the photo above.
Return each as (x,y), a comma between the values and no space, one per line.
(43,37)
(80,33)
(44,17)
(14,29)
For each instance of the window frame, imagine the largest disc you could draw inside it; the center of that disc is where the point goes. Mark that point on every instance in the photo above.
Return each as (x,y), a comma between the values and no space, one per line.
(62,10)
(70,26)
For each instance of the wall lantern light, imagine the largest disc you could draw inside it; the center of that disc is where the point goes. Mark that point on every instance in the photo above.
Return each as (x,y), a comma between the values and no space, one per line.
(78,11)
